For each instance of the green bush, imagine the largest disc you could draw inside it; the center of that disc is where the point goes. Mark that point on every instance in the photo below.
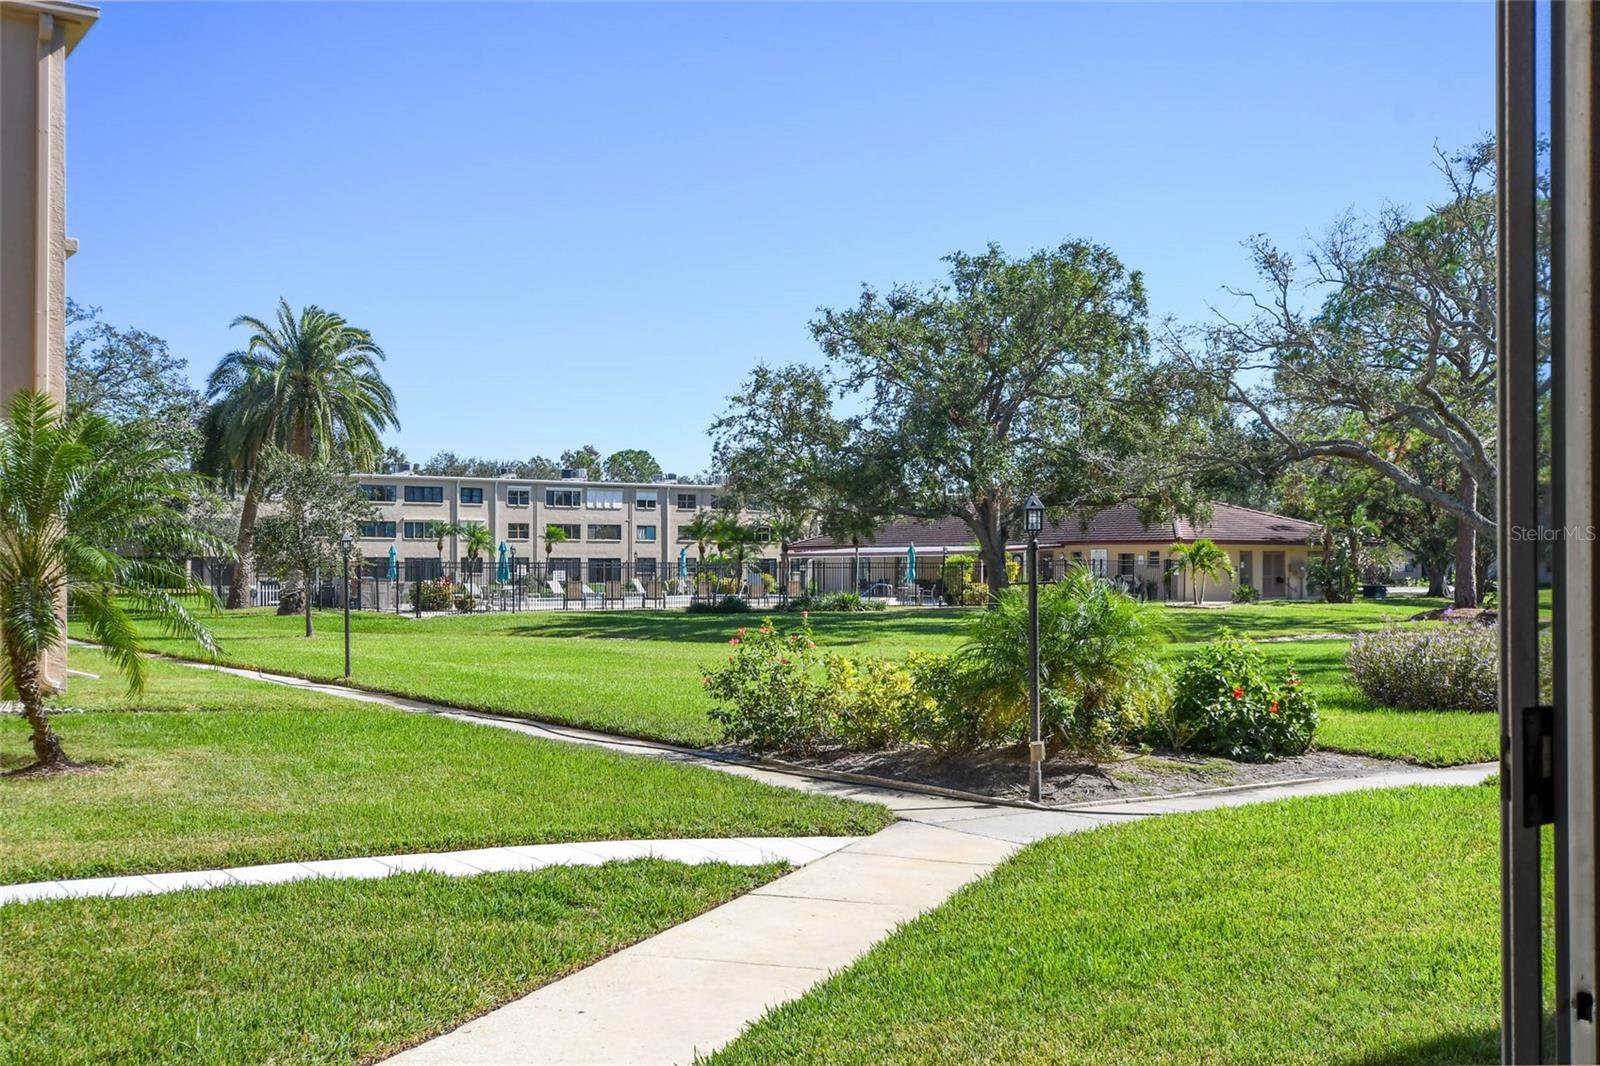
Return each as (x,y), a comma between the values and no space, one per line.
(434,595)
(1098,669)
(1246,593)
(1449,666)
(870,702)
(1224,704)
(724,605)
(774,697)
(833,602)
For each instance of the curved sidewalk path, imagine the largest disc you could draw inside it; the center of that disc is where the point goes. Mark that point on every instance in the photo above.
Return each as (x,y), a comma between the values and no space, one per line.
(735,851)
(692,989)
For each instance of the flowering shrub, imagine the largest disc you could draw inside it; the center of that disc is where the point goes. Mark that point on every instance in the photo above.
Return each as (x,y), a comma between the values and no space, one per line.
(1224,703)
(775,699)
(1245,593)
(435,595)
(1451,666)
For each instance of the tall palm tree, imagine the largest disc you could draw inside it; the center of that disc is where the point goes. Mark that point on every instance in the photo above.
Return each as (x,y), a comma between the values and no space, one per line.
(308,384)
(95,517)
(1201,560)
(443,531)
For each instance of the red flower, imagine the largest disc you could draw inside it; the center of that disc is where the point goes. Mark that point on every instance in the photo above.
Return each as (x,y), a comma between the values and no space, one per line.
(1238,693)
(741,630)
(1272,708)
(734,642)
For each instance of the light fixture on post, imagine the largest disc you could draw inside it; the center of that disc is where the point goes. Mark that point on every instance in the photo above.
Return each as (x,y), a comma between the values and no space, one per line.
(1033,522)
(516,585)
(345,540)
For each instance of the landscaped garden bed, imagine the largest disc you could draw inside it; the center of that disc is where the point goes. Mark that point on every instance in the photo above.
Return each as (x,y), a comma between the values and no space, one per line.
(1002,772)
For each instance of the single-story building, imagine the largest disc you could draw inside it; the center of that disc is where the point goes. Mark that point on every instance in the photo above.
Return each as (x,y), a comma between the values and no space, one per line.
(1268,551)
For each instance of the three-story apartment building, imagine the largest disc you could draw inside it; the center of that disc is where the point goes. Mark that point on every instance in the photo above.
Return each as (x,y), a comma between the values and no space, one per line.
(613,529)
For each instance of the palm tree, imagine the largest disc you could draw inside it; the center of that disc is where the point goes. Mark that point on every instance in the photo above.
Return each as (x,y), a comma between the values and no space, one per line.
(736,542)
(95,517)
(476,540)
(702,529)
(443,531)
(787,527)
(855,526)
(553,535)
(308,384)
(1201,560)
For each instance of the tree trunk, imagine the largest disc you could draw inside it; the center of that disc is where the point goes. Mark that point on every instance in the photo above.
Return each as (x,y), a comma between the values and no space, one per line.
(1436,585)
(305,594)
(992,549)
(30,693)
(237,592)
(1467,550)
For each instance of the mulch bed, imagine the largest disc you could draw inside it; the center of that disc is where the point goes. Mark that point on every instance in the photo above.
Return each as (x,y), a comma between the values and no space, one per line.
(1002,773)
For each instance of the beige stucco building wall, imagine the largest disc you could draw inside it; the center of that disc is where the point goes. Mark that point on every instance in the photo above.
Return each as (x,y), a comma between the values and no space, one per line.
(35,39)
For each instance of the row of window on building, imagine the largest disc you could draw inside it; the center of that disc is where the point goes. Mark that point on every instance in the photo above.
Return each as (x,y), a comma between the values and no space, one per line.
(593,499)
(517,531)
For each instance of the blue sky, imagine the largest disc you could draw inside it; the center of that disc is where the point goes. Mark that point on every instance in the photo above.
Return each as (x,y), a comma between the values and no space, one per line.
(575,224)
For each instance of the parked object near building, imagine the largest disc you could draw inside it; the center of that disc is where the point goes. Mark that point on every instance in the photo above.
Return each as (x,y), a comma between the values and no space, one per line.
(1269,552)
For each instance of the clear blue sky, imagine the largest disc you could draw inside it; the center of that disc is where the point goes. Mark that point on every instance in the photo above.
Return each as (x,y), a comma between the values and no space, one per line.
(583,224)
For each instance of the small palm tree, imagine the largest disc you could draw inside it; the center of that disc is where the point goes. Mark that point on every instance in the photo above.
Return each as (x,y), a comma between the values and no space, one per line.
(443,531)
(736,542)
(787,527)
(92,517)
(476,541)
(553,535)
(702,529)
(1201,560)
(853,525)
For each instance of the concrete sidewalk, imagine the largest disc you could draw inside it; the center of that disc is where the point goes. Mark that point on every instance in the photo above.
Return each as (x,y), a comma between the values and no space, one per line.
(735,851)
(692,989)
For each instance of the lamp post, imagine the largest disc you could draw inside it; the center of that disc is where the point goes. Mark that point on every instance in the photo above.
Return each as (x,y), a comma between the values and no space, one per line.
(516,582)
(1033,522)
(344,546)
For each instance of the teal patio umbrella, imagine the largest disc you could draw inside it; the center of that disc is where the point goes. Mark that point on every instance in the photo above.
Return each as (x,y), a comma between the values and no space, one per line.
(394,565)
(502,573)
(683,562)
(911,564)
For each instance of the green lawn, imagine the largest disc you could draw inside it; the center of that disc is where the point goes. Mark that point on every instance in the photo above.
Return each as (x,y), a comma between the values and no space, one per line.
(206,769)
(1359,928)
(319,971)
(637,672)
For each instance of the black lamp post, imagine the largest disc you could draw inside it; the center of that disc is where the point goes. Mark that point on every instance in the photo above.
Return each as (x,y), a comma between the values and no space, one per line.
(1033,522)
(516,582)
(344,546)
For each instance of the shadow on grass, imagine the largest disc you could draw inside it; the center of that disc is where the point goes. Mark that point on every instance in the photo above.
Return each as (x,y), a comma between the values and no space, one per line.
(1464,1046)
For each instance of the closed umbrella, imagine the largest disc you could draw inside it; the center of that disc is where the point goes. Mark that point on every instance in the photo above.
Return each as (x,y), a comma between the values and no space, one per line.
(502,573)
(911,564)
(683,562)
(394,565)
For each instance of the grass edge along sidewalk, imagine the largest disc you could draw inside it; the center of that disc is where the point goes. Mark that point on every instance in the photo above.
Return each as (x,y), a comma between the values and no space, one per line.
(1356,928)
(206,769)
(323,970)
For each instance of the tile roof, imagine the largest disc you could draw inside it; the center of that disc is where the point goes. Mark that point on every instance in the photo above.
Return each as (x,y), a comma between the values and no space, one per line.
(1229,525)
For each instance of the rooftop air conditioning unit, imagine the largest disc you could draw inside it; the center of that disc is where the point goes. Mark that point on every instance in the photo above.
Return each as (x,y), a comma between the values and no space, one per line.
(401,468)
(665,479)
(575,473)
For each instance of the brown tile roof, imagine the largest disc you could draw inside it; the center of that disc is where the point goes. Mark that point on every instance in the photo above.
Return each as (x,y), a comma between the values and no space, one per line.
(1229,525)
